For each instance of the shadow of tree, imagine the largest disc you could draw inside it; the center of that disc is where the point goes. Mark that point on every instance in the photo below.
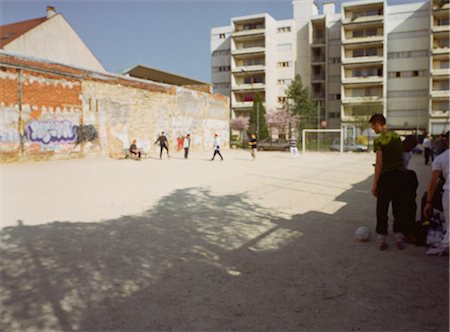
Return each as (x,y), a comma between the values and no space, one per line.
(195,261)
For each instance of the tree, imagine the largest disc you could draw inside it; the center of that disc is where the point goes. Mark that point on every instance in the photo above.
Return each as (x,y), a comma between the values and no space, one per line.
(281,120)
(258,107)
(239,123)
(300,103)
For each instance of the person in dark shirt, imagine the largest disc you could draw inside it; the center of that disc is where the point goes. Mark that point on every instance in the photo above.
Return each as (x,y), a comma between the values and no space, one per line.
(391,183)
(253,145)
(134,150)
(163,144)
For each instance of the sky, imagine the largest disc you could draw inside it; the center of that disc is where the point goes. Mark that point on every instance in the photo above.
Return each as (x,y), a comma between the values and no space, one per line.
(171,35)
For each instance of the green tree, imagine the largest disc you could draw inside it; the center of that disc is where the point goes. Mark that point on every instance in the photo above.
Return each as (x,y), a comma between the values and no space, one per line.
(258,107)
(300,103)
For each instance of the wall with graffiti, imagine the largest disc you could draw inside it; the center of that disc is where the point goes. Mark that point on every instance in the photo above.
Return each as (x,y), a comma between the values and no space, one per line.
(56,112)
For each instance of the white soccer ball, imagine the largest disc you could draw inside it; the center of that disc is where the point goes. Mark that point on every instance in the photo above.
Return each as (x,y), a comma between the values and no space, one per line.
(363,233)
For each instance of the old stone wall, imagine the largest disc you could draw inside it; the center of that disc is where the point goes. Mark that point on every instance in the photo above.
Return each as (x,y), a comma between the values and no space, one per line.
(58,112)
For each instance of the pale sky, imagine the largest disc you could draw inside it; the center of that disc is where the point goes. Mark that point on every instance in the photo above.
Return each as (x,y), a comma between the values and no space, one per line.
(171,35)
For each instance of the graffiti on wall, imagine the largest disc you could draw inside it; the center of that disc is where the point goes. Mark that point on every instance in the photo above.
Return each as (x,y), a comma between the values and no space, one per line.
(86,134)
(47,132)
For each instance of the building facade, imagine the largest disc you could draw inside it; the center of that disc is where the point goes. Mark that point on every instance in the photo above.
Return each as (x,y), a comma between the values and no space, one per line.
(371,57)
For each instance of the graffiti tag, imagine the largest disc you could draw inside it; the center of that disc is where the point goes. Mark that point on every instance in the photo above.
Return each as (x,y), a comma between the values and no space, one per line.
(51,131)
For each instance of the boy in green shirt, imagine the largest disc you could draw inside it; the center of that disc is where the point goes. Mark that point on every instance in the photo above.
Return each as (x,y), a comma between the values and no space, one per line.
(390,182)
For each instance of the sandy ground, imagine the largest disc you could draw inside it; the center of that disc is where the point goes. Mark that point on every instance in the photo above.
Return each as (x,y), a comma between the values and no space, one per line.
(265,245)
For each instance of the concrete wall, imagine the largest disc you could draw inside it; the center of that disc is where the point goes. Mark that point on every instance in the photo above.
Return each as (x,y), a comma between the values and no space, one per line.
(67,115)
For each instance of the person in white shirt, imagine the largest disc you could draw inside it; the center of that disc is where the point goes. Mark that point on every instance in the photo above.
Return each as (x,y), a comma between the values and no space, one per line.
(216,146)
(440,168)
(427,149)
(187,145)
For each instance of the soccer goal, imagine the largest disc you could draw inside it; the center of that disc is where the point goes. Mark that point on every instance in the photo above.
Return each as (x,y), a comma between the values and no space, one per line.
(321,140)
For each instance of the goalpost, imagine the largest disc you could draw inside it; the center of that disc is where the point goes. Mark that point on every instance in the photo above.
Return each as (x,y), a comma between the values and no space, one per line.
(331,142)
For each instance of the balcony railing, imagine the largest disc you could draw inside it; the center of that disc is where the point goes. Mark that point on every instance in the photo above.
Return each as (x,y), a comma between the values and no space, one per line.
(363,79)
(248,87)
(362,40)
(318,58)
(362,59)
(440,72)
(248,32)
(252,68)
(242,104)
(362,100)
(318,77)
(249,50)
(363,19)
(320,40)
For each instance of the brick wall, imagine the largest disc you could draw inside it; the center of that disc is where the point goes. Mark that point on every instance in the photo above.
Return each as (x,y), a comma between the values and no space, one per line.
(66,112)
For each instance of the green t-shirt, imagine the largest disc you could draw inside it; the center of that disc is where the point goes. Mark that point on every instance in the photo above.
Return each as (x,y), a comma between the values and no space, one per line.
(390,145)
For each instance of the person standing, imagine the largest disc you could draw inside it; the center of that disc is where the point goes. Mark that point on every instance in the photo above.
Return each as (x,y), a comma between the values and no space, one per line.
(440,168)
(216,145)
(179,142)
(163,144)
(187,145)
(389,182)
(253,145)
(293,147)
(427,149)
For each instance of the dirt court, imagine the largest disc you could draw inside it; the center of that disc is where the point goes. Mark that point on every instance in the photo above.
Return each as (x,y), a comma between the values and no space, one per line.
(194,245)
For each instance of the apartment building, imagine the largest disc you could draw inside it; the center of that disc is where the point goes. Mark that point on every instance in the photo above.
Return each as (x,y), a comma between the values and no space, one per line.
(371,57)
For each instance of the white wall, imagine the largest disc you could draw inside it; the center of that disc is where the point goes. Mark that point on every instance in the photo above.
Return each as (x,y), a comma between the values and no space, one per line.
(55,40)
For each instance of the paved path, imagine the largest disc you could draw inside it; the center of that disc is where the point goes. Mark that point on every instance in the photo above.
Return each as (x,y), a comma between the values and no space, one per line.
(100,244)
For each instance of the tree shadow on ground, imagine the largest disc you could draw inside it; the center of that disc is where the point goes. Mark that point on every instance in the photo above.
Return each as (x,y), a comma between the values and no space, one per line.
(200,261)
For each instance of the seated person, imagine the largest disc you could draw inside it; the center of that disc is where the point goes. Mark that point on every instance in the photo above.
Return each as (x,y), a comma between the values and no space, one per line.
(134,150)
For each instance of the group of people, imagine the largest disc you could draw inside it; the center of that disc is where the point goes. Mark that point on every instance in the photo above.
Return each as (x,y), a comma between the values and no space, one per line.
(394,183)
(184,142)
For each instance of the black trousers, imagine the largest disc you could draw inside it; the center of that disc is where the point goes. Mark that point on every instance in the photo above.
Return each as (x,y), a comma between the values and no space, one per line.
(161,150)
(398,187)
(186,153)
(428,154)
(217,151)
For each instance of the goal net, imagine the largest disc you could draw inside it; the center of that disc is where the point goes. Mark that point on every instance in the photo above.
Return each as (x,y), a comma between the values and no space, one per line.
(321,140)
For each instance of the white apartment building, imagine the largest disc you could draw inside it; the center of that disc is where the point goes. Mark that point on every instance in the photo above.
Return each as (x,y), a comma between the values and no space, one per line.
(371,57)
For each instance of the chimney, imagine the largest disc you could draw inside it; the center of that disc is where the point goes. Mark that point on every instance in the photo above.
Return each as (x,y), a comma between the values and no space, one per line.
(51,11)
(329,8)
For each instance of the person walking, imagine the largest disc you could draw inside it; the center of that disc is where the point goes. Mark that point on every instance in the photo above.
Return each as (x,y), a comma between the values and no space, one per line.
(440,168)
(186,145)
(216,145)
(427,149)
(163,144)
(390,182)
(293,147)
(253,145)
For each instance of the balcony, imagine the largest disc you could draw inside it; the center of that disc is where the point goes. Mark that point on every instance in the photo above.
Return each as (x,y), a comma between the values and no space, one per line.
(248,32)
(364,40)
(444,7)
(363,19)
(318,59)
(318,96)
(362,59)
(318,41)
(437,49)
(248,87)
(363,80)
(318,77)
(362,100)
(444,72)
(440,28)
(249,50)
(242,105)
(440,94)
(439,113)
(248,69)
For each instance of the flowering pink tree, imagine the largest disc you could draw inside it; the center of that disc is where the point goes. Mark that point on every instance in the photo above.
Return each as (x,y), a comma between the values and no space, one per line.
(280,120)
(239,123)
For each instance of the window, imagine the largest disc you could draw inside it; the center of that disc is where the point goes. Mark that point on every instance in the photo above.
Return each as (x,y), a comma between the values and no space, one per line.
(284,29)
(221,69)
(282,100)
(222,36)
(284,64)
(335,60)
(445,64)
(284,82)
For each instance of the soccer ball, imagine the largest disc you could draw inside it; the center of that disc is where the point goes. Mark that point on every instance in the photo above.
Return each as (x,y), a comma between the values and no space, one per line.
(363,233)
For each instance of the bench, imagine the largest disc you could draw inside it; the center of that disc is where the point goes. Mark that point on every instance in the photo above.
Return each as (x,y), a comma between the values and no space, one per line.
(129,155)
